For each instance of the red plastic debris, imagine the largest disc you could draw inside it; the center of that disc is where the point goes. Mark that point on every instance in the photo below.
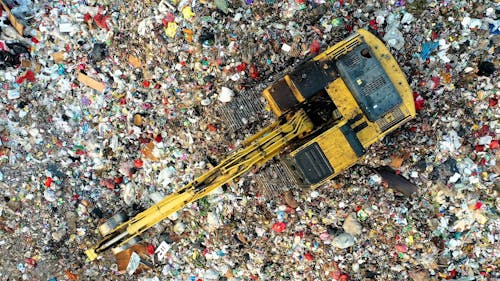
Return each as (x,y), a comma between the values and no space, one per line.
(34,40)
(30,76)
(373,24)
(31,262)
(315,47)
(335,274)
(71,276)
(241,67)
(158,138)
(494,144)
(138,163)
(308,256)
(118,180)
(482,162)
(109,184)
(344,277)
(100,20)
(254,72)
(150,249)
(169,18)
(279,227)
(146,84)
(434,35)
(419,101)
(478,205)
(48,182)
(479,148)
(401,248)
(493,102)
(87,17)
(436,82)
(211,128)
(485,129)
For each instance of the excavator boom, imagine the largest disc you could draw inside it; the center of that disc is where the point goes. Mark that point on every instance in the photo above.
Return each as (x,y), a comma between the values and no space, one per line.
(256,152)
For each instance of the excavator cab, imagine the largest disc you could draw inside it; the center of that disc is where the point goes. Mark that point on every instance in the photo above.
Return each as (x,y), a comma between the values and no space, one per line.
(354,98)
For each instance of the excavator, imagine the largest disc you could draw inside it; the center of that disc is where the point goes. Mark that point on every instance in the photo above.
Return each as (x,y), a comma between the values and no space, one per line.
(328,111)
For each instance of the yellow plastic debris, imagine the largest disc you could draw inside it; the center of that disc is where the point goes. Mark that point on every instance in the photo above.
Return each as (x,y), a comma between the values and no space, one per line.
(171,29)
(187,13)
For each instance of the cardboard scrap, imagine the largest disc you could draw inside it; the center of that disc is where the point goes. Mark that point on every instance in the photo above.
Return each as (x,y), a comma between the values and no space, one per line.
(13,21)
(92,83)
(123,259)
(58,57)
(396,161)
(26,63)
(134,61)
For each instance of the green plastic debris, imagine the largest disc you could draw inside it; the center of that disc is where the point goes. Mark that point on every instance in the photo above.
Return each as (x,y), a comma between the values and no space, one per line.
(222,5)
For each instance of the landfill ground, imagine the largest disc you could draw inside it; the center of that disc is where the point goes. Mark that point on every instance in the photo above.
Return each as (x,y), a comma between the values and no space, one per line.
(107,105)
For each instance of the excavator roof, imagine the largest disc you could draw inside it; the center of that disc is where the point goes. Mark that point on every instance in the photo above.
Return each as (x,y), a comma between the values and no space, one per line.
(366,79)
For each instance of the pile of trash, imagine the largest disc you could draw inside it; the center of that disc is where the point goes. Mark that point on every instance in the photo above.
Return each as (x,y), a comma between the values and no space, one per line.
(109,105)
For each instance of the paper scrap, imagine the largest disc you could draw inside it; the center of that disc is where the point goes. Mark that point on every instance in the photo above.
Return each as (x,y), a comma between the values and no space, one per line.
(66,27)
(162,250)
(133,264)
(286,47)
(92,83)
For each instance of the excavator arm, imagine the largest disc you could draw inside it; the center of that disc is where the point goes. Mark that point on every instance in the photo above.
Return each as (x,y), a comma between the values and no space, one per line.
(255,152)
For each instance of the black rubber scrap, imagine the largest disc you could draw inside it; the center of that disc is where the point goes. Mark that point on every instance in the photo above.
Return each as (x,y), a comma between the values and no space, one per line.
(485,68)
(12,56)
(396,182)
(98,53)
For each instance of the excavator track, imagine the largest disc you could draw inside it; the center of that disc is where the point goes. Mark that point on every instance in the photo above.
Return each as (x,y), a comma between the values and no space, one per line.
(245,109)
(275,179)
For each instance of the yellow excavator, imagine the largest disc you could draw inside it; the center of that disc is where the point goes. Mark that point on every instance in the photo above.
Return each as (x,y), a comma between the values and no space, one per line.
(329,109)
